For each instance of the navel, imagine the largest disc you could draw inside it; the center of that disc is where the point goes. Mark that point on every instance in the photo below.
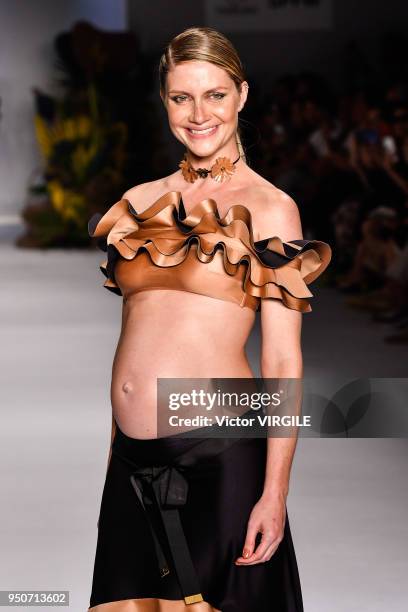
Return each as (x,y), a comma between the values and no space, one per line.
(127,387)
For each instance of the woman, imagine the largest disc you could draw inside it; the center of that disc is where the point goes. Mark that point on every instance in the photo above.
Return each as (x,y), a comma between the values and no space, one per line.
(193,265)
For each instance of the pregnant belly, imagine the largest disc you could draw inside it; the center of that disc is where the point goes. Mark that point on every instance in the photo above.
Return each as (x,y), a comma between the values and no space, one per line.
(134,379)
(139,361)
(171,334)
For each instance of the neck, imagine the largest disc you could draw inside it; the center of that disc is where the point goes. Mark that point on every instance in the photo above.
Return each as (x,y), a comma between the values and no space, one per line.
(207,161)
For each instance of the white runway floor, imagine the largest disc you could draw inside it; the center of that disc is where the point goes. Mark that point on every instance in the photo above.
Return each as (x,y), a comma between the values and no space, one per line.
(59,327)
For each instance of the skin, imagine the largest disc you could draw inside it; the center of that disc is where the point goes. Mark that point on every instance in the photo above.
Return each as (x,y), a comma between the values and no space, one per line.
(193,100)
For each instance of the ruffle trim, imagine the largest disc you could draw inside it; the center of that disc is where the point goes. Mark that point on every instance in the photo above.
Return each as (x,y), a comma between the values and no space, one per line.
(275,269)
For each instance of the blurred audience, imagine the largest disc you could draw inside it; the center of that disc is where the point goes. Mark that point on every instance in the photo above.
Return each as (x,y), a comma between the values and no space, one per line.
(343,157)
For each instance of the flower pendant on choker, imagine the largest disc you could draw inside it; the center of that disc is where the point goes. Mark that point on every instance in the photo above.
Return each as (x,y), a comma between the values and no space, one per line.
(222,169)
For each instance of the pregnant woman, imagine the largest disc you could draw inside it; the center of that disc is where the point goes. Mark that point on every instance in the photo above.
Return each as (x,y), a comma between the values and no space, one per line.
(200,524)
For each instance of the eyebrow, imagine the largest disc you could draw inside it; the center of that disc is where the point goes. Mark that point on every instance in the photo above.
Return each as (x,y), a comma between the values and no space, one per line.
(208,91)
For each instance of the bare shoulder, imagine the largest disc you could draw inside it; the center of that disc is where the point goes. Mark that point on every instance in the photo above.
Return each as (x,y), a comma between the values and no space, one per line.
(143,195)
(274,213)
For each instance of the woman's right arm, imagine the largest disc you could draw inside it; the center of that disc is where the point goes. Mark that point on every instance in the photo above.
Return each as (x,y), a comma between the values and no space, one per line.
(113,430)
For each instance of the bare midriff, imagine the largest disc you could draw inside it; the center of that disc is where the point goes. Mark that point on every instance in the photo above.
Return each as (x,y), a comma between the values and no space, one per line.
(173,334)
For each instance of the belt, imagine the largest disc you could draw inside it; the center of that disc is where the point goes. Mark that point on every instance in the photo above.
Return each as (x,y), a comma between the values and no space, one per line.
(165,488)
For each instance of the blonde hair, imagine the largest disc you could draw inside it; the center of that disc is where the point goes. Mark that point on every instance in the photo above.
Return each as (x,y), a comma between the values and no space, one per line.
(203,44)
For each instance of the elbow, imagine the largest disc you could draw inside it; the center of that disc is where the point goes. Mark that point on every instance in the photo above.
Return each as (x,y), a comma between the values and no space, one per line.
(282,365)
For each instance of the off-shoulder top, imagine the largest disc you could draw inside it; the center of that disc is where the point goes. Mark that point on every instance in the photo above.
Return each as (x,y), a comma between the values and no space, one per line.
(163,248)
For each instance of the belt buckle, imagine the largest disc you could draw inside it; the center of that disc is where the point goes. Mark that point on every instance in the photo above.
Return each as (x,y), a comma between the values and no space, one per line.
(190,599)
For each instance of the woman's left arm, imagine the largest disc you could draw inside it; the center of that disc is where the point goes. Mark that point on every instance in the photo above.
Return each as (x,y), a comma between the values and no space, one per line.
(281,358)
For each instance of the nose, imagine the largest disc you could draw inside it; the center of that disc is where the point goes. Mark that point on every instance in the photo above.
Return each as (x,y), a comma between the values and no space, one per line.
(198,114)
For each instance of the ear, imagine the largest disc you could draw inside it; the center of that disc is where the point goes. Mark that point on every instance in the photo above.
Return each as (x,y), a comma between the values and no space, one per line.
(243,95)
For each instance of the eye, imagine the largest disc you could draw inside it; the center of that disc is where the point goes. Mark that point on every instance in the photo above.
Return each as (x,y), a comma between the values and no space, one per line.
(179,99)
(218,95)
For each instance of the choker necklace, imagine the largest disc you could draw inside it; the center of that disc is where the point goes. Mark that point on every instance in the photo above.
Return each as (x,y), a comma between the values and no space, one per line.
(222,169)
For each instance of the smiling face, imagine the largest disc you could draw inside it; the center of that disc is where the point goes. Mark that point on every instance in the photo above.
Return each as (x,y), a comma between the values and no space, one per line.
(203,103)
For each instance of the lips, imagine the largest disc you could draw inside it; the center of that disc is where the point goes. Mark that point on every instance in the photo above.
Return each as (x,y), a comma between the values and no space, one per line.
(202,133)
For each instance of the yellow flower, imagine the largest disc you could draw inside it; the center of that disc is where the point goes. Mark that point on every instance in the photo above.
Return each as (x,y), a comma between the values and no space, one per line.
(57,195)
(84,126)
(44,137)
(69,129)
(69,204)
(82,157)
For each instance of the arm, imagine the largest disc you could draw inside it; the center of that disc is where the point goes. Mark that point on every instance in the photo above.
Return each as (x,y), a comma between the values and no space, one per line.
(281,357)
(386,162)
(113,430)
(123,323)
(355,160)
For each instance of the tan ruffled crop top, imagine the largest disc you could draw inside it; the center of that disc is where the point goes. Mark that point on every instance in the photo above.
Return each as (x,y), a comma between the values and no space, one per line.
(162,248)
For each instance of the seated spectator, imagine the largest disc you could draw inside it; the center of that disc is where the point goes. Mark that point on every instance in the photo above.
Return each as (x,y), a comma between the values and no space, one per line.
(345,219)
(375,166)
(375,252)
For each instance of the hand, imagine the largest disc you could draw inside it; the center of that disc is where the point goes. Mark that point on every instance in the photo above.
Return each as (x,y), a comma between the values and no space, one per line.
(268,517)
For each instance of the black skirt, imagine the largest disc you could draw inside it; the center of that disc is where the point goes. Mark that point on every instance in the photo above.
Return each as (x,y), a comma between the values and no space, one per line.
(172,521)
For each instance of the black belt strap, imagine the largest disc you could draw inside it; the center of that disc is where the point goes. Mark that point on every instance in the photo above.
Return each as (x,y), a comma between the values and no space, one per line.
(166,489)
(145,502)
